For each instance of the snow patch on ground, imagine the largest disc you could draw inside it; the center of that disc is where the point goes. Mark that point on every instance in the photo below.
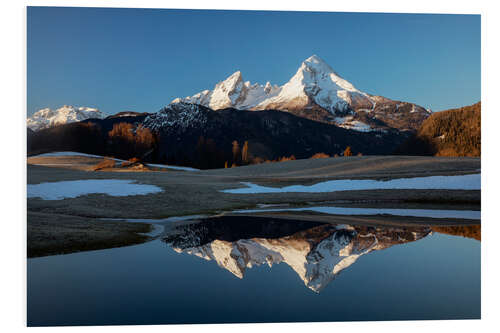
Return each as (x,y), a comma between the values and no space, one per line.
(463,182)
(76,188)
(73,153)
(172,167)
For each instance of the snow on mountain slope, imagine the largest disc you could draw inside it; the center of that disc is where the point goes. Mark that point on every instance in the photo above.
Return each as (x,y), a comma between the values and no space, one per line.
(317,92)
(67,114)
(177,117)
(315,81)
(233,92)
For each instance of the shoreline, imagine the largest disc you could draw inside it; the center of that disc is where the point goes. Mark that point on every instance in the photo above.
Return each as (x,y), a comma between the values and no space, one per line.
(187,193)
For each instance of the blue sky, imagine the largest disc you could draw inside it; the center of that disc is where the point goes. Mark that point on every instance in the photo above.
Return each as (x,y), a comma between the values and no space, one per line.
(141,59)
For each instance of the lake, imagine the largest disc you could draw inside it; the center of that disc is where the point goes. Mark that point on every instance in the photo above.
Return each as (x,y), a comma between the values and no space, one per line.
(255,269)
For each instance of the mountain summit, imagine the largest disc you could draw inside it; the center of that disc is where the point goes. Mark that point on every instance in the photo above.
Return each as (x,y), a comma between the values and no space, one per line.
(47,117)
(316,92)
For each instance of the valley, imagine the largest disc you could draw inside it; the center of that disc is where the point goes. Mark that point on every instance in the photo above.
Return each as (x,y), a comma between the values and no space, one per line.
(201,192)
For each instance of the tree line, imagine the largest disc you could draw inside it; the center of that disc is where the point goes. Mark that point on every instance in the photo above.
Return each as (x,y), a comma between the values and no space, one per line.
(125,140)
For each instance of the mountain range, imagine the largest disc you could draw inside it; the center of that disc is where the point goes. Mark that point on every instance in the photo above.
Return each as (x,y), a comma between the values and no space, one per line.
(316,111)
(47,117)
(316,92)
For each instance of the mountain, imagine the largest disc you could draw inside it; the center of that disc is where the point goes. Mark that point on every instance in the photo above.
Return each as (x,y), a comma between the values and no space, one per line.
(316,111)
(316,252)
(88,136)
(194,135)
(315,92)
(454,132)
(47,117)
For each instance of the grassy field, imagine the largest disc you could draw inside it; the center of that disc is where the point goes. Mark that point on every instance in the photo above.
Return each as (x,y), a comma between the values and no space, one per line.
(50,234)
(189,193)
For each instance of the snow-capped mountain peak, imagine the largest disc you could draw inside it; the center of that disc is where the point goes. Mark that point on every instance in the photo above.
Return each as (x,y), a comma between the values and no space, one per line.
(232,92)
(323,72)
(66,114)
(314,82)
(228,92)
(315,91)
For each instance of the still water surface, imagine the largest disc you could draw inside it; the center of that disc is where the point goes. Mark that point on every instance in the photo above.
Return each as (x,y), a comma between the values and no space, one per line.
(236,269)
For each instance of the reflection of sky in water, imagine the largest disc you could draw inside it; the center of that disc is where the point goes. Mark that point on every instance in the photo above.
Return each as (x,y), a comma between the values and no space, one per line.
(433,213)
(463,182)
(436,277)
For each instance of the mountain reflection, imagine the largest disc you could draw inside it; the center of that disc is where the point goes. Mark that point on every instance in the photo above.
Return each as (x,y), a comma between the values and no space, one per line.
(316,251)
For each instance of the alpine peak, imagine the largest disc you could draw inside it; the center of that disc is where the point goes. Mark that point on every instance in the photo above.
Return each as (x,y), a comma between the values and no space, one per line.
(315,91)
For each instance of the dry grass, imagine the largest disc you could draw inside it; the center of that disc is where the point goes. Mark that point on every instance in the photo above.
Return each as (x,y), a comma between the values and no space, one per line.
(50,234)
(105,164)
(320,155)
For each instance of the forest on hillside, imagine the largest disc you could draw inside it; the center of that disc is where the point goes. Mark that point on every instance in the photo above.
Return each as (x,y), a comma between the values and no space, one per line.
(454,132)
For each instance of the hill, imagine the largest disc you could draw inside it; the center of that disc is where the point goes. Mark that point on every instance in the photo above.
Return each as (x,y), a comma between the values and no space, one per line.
(454,132)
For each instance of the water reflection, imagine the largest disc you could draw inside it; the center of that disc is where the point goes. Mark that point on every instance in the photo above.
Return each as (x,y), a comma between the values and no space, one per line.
(316,251)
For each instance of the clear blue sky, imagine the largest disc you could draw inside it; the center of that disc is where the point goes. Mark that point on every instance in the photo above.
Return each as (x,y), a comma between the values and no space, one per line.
(141,59)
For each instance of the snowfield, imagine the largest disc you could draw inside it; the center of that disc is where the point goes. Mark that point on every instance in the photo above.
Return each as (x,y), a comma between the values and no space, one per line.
(464,182)
(75,188)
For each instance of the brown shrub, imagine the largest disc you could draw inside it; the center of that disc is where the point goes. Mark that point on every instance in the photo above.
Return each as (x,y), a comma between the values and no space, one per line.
(284,158)
(320,155)
(130,161)
(447,152)
(257,160)
(348,151)
(106,163)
